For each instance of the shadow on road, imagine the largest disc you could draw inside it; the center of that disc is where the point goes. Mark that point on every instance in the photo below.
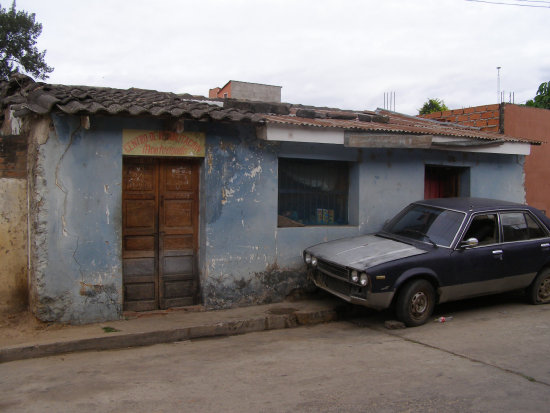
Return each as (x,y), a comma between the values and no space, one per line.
(362,316)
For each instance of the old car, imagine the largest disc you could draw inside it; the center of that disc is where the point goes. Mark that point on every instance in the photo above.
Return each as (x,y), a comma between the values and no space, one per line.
(436,251)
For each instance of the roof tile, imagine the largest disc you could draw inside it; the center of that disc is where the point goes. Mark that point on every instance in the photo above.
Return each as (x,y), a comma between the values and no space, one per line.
(26,96)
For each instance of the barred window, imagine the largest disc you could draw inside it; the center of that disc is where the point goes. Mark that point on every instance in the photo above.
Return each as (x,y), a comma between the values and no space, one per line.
(312,192)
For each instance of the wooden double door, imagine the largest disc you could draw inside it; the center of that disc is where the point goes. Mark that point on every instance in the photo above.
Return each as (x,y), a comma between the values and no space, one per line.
(160,214)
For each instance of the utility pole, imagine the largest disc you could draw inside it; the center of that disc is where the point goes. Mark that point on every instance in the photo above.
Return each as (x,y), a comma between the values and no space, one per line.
(498,84)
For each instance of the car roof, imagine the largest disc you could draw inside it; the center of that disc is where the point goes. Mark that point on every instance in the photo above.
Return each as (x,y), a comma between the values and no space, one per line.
(471,204)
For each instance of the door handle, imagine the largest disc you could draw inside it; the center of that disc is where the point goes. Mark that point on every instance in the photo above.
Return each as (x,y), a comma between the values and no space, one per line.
(545,245)
(497,254)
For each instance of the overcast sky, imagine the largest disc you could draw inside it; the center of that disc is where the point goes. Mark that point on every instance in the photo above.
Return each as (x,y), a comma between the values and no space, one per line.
(344,54)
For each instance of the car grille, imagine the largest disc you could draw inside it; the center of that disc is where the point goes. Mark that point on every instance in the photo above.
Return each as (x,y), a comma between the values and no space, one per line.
(333,269)
(336,285)
(333,277)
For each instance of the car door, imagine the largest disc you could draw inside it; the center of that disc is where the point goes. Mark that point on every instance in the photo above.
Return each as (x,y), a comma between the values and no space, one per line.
(475,269)
(525,247)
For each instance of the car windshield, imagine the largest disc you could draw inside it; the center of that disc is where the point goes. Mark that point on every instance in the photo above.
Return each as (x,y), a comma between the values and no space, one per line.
(427,224)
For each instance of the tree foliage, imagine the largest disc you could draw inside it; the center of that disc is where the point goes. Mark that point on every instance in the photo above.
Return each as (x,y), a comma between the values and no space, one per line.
(18,35)
(542,99)
(432,105)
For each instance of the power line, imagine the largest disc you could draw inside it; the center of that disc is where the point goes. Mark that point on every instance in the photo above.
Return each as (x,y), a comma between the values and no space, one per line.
(535,1)
(517,5)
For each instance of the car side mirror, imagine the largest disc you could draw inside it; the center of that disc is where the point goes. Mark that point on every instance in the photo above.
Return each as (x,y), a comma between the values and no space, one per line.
(469,243)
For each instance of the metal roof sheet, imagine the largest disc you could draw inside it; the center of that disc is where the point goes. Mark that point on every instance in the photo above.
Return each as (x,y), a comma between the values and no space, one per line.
(396,123)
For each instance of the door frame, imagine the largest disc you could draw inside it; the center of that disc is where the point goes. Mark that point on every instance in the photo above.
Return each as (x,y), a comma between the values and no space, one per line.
(159,299)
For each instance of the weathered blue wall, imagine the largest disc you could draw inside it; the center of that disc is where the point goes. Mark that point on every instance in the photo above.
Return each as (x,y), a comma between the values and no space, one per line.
(247,259)
(76,273)
(76,266)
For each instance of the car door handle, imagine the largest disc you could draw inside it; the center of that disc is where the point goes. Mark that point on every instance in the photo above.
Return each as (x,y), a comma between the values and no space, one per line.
(545,245)
(497,252)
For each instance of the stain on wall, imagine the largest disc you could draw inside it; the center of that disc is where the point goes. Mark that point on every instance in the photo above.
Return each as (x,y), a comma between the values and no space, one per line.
(13,221)
(13,245)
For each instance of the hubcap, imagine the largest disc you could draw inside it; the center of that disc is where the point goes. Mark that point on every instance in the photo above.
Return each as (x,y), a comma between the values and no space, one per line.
(419,304)
(544,290)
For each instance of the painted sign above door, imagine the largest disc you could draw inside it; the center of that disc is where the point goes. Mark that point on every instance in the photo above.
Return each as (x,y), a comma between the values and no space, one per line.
(162,143)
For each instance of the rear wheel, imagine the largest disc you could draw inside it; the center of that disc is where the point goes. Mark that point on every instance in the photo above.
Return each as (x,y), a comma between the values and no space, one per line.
(539,291)
(415,303)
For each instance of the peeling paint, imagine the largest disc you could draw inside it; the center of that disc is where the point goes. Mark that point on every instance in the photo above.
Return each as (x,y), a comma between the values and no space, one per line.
(255,171)
(40,131)
(271,285)
(15,123)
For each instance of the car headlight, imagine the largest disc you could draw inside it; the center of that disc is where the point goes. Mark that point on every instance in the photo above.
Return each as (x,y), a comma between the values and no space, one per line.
(314,261)
(354,276)
(364,279)
(307,259)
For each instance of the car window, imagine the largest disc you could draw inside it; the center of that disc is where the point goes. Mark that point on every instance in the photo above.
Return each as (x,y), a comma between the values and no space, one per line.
(514,227)
(520,226)
(426,223)
(535,230)
(484,228)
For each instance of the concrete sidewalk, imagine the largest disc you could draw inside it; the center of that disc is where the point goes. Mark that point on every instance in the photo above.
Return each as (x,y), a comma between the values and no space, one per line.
(143,329)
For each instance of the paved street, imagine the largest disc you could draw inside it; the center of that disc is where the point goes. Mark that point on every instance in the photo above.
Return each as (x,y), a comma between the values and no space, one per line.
(489,358)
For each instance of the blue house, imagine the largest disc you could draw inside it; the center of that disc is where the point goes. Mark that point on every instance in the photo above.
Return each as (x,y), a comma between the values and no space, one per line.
(141,200)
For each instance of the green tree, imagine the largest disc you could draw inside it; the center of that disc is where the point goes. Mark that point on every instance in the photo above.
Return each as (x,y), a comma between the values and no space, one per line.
(18,35)
(432,105)
(542,99)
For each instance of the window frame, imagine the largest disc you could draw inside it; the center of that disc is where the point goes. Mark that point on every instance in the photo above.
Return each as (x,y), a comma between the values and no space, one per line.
(345,172)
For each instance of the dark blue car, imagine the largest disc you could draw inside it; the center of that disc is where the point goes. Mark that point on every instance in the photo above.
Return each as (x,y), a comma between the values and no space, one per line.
(435,251)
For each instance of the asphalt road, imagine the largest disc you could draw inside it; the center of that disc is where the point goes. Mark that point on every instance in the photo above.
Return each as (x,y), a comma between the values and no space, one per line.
(492,357)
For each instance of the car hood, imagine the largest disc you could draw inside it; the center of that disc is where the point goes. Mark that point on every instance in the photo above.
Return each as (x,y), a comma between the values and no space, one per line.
(363,252)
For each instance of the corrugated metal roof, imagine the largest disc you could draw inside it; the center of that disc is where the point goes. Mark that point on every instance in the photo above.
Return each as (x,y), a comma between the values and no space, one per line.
(394,123)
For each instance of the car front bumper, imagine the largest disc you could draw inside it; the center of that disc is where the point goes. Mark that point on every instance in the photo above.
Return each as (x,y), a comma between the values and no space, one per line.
(349,292)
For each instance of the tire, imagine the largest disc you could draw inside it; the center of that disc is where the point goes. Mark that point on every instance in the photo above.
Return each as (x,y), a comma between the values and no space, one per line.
(415,303)
(539,291)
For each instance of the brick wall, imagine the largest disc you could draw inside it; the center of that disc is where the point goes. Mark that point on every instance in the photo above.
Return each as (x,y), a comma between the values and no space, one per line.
(13,157)
(486,117)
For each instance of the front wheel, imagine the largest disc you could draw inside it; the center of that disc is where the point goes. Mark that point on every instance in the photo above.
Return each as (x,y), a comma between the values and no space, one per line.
(415,303)
(539,291)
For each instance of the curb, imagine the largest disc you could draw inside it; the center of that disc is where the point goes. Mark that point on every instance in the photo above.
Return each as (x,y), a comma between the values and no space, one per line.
(122,340)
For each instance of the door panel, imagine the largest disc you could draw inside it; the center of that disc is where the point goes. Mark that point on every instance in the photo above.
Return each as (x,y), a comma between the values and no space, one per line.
(178,229)
(159,233)
(178,215)
(139,205)
(140,215)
